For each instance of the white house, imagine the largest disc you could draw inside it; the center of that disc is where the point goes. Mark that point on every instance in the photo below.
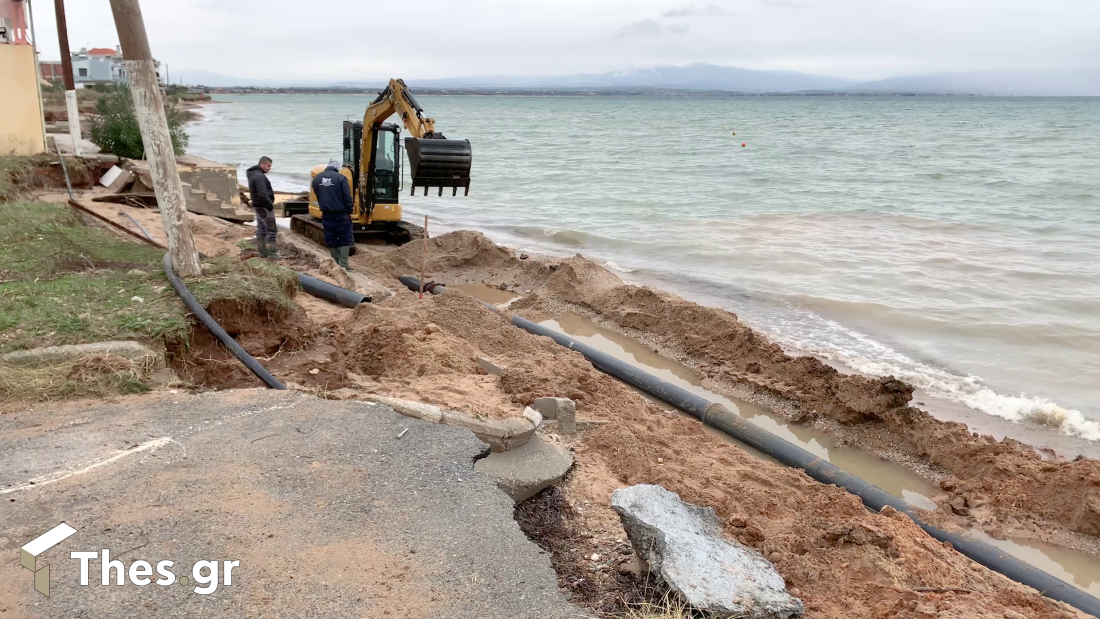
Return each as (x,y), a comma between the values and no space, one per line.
(101,65)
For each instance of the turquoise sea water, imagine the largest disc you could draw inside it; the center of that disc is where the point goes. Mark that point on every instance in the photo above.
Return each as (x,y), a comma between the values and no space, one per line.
(952,242)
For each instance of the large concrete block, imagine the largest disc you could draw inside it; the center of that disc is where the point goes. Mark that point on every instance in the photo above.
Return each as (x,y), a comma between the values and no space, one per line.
(684,546)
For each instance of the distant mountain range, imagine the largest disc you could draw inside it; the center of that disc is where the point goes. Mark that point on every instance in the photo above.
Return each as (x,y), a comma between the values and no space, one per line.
(717,78)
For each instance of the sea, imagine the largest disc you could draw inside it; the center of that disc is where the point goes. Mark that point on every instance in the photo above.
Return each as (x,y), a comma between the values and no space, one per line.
(953,242)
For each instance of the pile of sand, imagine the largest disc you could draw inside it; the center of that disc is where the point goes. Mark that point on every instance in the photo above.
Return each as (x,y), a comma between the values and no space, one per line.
(427,349)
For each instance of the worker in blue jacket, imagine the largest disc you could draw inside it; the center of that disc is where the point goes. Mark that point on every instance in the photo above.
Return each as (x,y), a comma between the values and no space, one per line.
(334,198)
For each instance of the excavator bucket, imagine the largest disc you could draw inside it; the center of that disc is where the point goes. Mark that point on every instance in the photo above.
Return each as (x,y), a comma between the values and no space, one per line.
(435,162)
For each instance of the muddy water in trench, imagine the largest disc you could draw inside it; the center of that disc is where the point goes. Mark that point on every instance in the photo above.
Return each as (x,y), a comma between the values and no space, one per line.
(488,294)
(893,478)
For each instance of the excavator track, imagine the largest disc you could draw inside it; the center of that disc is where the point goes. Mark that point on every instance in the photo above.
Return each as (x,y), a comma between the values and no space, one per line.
(388,233)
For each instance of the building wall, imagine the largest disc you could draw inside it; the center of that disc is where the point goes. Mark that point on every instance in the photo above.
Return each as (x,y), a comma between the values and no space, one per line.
(51,70)
(20,116)
(91,69)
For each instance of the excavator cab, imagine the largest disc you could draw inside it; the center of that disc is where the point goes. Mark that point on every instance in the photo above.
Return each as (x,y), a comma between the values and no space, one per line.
(382,181)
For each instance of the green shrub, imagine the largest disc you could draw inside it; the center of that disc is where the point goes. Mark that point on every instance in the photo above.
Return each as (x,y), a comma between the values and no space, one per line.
(115,127)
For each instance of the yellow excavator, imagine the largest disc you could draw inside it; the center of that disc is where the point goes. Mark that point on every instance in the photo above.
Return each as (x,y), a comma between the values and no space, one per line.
(372,165)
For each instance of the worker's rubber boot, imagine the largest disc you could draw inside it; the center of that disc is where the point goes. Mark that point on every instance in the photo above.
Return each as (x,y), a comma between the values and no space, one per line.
(335,253)
(272,253)
(261,246)
(267,250)
(345,251)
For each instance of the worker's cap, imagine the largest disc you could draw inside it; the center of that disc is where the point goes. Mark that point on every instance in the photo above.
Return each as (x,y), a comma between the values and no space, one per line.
(334,163)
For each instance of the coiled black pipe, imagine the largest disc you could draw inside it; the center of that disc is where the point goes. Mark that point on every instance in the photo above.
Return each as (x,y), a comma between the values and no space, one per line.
(329,292)
(718,416)
(216,329)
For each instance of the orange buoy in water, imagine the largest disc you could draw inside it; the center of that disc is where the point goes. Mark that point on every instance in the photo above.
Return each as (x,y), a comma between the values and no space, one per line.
(743,144)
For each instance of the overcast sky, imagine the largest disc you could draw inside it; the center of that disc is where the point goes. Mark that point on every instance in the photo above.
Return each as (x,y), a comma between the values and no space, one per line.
(364,40)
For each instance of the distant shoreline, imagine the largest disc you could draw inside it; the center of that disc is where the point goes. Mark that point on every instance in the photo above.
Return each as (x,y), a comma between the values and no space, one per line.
(526,92)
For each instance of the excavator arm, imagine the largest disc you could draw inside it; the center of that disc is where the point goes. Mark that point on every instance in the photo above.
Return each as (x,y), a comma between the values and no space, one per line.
(434,160)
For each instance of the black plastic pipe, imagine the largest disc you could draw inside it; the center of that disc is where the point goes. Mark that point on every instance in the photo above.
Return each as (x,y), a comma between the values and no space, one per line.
(329,292)
(413,284)
(875,498)
(196,308)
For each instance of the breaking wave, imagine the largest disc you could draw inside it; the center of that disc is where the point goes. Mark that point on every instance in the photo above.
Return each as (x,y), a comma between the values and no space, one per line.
(873,358)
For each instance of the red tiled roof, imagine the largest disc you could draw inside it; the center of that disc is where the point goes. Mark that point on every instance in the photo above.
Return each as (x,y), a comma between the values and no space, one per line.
(101,51)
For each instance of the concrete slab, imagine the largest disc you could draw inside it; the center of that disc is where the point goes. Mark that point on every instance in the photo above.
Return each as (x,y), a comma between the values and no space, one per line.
(526,470)
(329,512)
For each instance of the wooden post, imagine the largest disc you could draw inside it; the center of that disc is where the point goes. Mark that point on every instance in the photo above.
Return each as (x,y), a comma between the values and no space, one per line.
(149,107)
(424,257)
(72,109)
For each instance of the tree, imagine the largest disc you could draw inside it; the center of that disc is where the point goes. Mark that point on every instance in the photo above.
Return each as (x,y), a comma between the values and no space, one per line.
(115,127)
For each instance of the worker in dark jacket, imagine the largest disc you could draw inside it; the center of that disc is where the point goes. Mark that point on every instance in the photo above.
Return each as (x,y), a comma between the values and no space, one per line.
(263,203)
(334,199)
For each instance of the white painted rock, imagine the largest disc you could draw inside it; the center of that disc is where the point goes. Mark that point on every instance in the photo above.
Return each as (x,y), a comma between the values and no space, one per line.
(685,547)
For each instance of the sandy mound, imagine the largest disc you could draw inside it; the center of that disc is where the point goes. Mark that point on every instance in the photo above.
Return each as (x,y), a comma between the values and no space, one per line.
(413,340)
(462,249)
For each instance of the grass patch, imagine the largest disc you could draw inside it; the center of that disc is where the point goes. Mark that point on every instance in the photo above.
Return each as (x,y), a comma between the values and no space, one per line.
(62,282)
(40,240)
(67,283)
(90,377)
(252,288)
(89,307)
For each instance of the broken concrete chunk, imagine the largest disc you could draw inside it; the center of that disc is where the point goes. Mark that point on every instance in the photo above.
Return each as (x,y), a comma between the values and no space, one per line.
(501,435)
(562,409)
(116,180)
(490,366)
(519,432)
(533,416)
(683,544)
(522,472)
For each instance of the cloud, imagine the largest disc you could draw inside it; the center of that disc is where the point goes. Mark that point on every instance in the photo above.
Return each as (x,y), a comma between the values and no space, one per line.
(710,10)
(855,39)
(646,27)
(649,28)
(784,4)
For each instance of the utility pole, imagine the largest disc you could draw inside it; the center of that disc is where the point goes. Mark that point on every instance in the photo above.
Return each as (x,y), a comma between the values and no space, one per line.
(149,107)
(71,107)
(38,75)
